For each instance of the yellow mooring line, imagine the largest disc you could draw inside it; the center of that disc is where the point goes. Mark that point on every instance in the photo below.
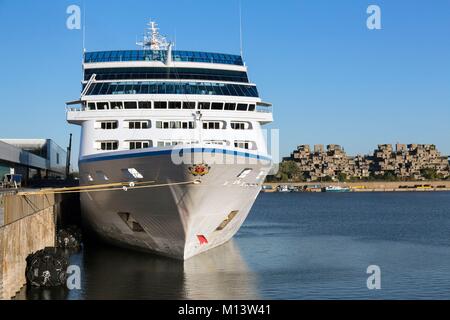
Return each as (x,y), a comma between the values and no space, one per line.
(117,186)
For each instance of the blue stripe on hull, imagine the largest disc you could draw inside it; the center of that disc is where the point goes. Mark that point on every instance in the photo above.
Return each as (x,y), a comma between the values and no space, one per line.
(165,152)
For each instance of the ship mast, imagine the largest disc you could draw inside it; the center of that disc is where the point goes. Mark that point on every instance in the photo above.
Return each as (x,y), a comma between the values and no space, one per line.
(152,39)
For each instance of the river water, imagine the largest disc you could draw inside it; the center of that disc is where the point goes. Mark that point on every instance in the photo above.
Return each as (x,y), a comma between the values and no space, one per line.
(292,246)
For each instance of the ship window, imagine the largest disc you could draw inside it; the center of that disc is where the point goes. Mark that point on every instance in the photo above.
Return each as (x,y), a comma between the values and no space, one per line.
(91,106)
(188,105)
(160,104)
(175,124)
(217,106)
(174,105)
(251,107)
(139,144)
(239,126)
(204,105)
(230,106)
(168,143)
(138,124)
(130,105)
(218,142)
(109,145)
(116,105)
(108,125)
(241,107)
(186,88)
(102,105)
(212,125)
(249,145)
(145,104)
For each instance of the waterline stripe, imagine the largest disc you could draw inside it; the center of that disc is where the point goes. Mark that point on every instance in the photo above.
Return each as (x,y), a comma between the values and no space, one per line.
(165,152)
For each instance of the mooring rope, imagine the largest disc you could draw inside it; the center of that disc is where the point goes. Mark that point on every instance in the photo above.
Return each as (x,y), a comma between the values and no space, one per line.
(118,186)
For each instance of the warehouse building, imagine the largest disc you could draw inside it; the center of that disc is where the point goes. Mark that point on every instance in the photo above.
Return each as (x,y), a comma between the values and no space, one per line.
(32,158)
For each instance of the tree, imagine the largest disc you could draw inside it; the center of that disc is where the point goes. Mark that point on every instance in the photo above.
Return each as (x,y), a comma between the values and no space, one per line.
(429,173)
(389,176)
(288,170)
(342,176)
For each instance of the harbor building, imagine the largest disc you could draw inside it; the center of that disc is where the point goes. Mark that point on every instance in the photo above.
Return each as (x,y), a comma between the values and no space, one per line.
(408,162)
(32,158)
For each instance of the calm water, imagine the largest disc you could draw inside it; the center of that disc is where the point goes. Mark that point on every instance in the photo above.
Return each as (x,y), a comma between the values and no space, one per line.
(293,246)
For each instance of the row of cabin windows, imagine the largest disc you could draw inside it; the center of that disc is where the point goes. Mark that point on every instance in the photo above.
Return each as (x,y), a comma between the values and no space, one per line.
(139,144)
(133,145)
(175,124)
(170,105)
(138,124)
(145,124)
(213,125)
(113,124)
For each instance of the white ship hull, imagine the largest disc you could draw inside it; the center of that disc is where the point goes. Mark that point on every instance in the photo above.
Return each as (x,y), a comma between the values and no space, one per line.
(172,219)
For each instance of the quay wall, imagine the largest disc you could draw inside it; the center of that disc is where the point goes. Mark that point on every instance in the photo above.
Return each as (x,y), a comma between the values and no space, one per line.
(29,225)
(374,185)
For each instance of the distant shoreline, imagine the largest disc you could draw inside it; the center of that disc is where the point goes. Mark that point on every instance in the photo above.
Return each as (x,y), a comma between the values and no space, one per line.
(369,186)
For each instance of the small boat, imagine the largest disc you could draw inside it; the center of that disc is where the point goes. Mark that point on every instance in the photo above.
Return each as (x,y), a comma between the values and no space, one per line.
(336,189)
(283,188)
(267,188)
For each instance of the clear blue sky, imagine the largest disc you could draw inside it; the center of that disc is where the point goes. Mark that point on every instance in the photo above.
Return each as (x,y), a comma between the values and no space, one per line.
(330,79)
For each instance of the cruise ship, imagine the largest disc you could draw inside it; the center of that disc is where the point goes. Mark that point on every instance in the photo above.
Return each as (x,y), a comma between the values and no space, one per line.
(181,132)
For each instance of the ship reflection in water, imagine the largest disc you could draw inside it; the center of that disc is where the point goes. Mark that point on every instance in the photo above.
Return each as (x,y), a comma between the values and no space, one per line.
(112,273)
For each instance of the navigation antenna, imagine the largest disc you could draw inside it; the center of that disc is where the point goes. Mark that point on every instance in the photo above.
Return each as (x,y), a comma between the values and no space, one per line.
(152,39)
(240,29)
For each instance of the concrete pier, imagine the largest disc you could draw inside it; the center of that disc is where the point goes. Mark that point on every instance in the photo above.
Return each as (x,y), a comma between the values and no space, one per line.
(29,225)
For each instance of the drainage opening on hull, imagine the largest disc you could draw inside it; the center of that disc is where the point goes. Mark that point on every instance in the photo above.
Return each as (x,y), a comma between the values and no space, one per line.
(131,223)
(227,220)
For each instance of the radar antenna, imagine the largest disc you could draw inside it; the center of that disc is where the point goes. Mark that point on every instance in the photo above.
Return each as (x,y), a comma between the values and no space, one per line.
(152,39)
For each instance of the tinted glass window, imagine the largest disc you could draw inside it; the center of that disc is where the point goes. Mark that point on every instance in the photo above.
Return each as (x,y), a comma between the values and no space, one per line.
(174,105)
(241,107)
(198,88)
(145,105)
(160,105)
(216,106)
(116,105)
(188,105)
(130,105)
(230,106)
(204,105)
